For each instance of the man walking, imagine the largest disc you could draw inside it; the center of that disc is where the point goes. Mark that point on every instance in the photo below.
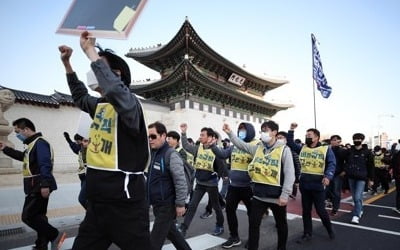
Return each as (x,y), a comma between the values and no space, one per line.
(118,152)
(359,169)
(318,165)
(272,172)
(167,189)
(39,181)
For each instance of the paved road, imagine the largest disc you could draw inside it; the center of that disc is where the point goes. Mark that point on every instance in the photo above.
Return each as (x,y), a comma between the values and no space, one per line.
(379,227)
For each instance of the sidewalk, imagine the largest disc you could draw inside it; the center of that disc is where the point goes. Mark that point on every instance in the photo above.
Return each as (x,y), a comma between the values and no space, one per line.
(13,180)
(72,214)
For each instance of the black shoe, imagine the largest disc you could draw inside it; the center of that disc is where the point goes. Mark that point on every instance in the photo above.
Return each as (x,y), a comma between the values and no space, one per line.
(206,215)
(231,242)
(333,213)
(386,191)
(303,239)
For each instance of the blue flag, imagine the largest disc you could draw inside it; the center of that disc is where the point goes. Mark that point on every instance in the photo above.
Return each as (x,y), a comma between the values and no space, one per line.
(318,74)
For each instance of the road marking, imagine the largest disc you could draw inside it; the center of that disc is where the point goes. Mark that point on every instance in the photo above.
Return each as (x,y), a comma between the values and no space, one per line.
(200,242)
(389,217)
(340,210)
(289,216)
(362,227)
(373,205)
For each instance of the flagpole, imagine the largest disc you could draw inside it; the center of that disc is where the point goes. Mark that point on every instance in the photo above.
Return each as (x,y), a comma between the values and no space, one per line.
(319,78)
(315,107)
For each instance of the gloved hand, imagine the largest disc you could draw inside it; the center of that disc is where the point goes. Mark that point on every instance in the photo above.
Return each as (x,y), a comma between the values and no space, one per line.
(66,135)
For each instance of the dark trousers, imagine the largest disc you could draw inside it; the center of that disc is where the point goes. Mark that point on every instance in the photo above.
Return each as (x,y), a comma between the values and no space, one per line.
(34,215)
(123,222)
(82,194)
(381,178)
(198,194)
(258,209)
(308,198)
(164,227)
(397,182)
(221,201)
(334,191)
(233,197)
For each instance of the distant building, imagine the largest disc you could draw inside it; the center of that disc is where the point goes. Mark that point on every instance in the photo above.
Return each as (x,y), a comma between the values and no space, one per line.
(197,86)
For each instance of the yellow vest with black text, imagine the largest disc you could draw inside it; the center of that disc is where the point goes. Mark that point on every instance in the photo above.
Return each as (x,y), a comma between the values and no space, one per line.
(266,168)
(204,159)
(312,160)
(240,159)
(102,149)
(26,171)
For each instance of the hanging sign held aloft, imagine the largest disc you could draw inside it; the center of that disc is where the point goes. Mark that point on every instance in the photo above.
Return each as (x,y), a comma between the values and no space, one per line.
(102,18)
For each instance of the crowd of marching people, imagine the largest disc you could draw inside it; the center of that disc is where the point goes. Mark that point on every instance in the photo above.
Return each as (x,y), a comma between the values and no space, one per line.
(127,166)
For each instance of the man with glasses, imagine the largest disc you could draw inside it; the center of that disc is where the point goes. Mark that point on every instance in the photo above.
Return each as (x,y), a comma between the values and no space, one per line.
(167,189)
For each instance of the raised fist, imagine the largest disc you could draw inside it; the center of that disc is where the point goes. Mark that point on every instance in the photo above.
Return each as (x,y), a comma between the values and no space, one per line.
(293,126)
(66,135)
(226,128)
(183,127)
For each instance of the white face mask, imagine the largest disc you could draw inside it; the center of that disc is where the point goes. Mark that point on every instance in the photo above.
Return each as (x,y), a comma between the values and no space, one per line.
(265,137)
(91,80)
(281,141)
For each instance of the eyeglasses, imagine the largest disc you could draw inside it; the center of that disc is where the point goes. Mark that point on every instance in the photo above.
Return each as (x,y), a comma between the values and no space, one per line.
(152,136)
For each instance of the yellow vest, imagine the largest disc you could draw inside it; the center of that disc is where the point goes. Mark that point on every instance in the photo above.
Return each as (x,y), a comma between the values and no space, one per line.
(240,159)
(204,159)
(266,168)
(312,160)
(378,161)
(26,171)
(102,149)
(189,156)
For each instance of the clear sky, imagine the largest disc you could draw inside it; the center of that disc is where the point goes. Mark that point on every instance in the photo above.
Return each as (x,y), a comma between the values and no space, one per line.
(359,47)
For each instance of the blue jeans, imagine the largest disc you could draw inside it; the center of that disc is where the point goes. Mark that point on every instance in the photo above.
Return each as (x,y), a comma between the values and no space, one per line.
(357,189)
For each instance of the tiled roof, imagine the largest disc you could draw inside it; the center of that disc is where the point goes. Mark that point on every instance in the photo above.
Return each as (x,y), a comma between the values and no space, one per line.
(54,100)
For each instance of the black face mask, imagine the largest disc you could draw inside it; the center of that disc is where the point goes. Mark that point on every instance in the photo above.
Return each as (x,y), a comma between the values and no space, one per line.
(308,141)
(357,143)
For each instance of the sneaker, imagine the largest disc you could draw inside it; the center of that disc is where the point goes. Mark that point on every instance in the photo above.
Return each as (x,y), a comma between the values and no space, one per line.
(303,239)
(355,220)
(182,229)
(57,243)
(218,231)
(206,215)
(231,242)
